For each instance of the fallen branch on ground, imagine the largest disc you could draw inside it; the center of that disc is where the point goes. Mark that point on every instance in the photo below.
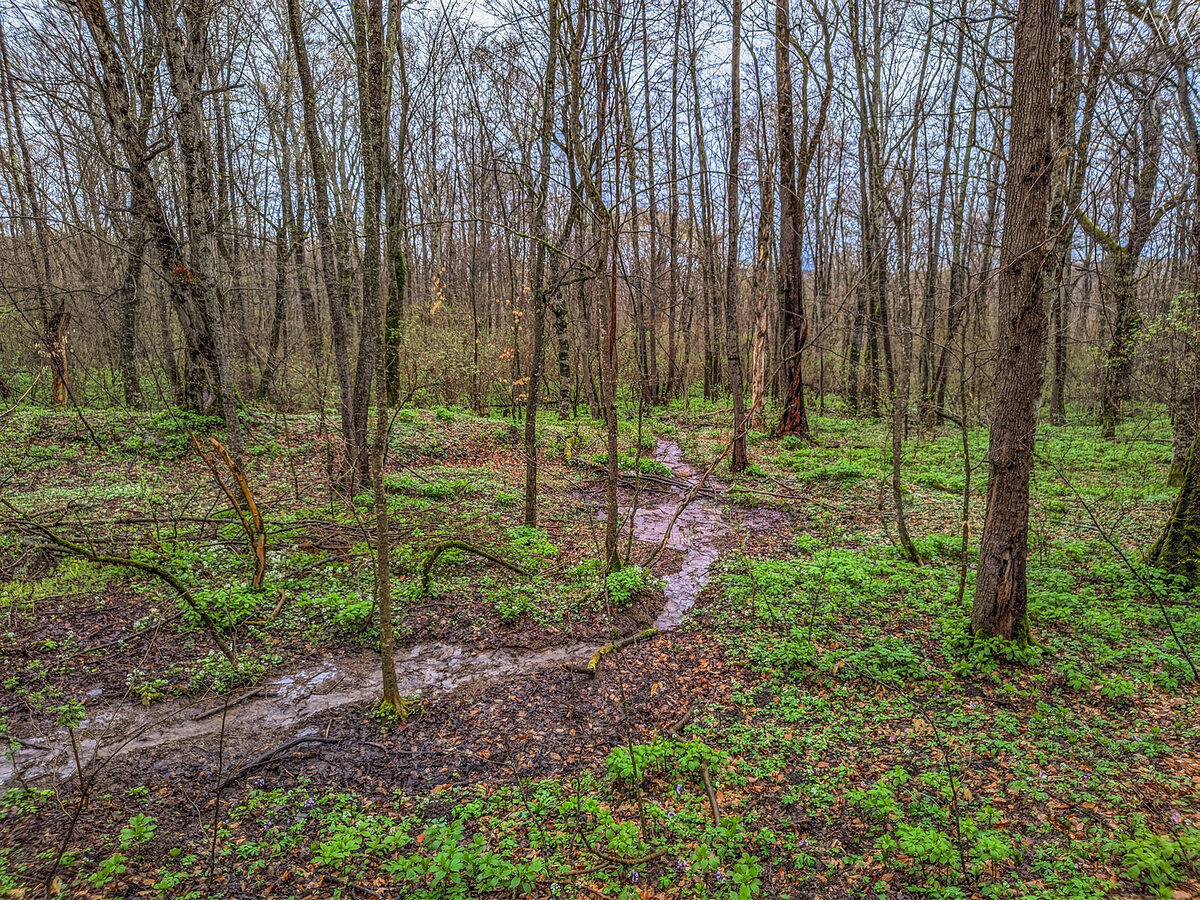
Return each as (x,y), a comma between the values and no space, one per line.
(590,669)
(91,555)
(441,548)
(263,758)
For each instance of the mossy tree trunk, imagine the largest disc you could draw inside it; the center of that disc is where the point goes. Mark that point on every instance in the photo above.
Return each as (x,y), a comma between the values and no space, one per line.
(1178,550)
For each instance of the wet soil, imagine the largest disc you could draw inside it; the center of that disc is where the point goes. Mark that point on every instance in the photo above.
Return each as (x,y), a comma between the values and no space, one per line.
(694,534)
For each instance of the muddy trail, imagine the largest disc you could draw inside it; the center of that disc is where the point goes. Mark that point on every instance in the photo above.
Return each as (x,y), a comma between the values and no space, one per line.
(283,702)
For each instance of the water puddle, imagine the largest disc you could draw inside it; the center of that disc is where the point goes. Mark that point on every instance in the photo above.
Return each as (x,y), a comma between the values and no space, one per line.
(282,701)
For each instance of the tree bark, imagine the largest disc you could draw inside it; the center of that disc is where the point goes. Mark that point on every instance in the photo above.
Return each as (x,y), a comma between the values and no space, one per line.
(733,355)
(539,287)
(1000,601)
(336,285)
(186,48)
(794,326)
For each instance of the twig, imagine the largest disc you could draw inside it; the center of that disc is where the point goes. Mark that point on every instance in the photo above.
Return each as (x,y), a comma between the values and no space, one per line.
(104,559)
(252,522)
(123,638)
(12,409)
(712,795)
(263,758)
(1162,608)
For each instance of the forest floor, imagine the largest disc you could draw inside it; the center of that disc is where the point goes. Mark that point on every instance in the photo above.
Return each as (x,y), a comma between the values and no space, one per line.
(819,724)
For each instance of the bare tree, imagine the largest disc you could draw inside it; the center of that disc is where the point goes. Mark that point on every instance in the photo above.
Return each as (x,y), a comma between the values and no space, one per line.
(1000,589)
(733,352)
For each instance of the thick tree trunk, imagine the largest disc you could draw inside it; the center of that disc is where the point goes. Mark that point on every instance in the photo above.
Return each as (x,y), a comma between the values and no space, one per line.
(1178,550)
(1000,589)
(794,327)
(186,50)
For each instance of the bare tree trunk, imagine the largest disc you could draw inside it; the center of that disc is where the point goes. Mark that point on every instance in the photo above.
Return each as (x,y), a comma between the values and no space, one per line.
(186,51)
(395,194)
(336,285)
(733,355)
(1123,262)
(1000,589)
(1187,405)
(927,374)
(708,241)
(673,374)
(795,328)
(369,41)
(127,305)
(538,287)
(652,390)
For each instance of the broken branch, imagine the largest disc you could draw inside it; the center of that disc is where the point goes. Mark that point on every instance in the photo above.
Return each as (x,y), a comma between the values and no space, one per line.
(441,548)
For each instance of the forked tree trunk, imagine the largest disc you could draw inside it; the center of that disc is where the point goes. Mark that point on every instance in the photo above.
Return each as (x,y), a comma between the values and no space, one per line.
(1000,589)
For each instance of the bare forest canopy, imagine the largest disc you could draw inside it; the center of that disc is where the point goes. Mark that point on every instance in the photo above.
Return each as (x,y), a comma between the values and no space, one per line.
(209,204)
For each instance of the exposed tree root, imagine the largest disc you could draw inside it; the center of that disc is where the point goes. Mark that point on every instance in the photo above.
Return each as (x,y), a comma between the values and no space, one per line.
(681,723)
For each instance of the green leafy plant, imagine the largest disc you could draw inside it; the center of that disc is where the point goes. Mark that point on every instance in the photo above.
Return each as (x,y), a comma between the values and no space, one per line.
(1157,861)
(109,870)
(624,584)
(141,828)
(662,757)
(144,689)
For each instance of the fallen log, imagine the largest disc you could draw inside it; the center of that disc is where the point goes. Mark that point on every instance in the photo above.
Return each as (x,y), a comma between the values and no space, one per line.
(590,668)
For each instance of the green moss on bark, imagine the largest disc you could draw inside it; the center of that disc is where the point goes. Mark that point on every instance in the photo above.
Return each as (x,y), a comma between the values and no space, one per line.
(1178,550)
